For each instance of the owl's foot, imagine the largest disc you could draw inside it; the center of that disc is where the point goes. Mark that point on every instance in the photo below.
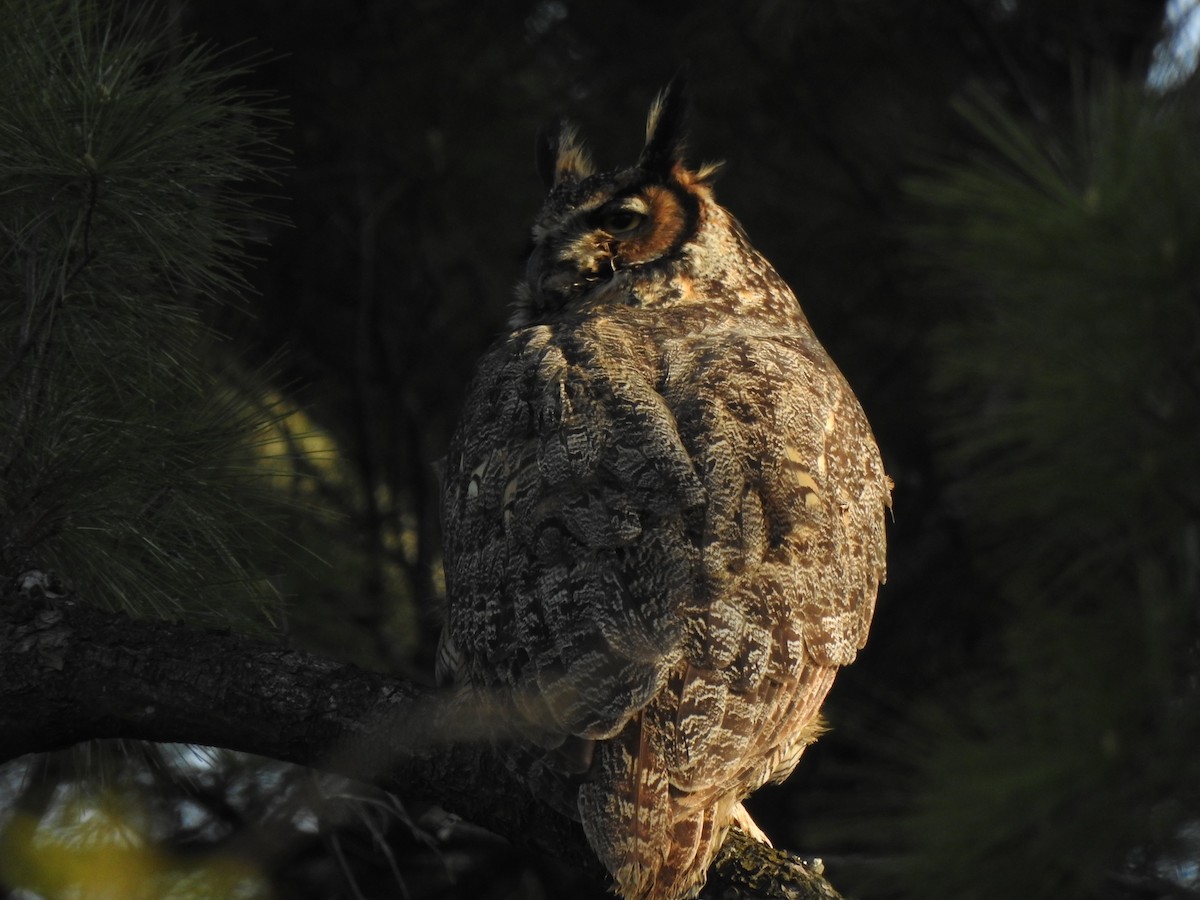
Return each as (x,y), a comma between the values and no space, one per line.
(741,818)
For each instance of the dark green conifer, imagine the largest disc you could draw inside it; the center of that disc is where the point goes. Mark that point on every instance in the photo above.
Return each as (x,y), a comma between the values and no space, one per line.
(127,457)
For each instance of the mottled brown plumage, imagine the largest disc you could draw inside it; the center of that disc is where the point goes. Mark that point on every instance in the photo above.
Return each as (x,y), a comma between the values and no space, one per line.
(663,513)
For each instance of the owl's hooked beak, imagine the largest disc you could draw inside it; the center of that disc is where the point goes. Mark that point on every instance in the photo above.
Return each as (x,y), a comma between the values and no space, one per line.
(553,282)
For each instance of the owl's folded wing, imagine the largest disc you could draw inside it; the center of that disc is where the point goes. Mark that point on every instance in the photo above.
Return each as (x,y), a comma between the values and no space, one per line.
(571,520)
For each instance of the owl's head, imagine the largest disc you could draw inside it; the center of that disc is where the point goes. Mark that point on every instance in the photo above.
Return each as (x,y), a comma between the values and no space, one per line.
(597,231)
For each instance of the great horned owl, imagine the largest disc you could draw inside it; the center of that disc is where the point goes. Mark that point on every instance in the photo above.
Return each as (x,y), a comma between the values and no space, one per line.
(663,512)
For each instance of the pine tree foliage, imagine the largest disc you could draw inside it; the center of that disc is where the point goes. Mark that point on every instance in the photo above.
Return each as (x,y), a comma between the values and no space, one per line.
(126,459)
(1070,386)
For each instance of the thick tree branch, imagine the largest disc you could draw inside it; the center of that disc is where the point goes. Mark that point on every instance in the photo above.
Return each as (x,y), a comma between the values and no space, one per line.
(70,672)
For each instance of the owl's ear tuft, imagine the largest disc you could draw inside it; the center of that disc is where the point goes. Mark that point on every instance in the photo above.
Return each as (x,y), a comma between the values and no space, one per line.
(561,156)
(665,129)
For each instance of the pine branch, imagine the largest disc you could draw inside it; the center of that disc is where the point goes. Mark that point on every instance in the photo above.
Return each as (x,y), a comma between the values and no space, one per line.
(748,870)
(70,672)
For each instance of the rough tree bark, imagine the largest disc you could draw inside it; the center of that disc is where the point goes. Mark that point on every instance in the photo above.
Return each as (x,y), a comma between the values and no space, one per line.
(70,672)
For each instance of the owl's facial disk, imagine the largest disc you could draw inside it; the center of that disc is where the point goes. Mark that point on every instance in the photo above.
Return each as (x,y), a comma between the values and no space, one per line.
(584,245)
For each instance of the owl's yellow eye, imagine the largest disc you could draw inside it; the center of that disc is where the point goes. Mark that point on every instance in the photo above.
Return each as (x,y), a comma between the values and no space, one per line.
(618,222)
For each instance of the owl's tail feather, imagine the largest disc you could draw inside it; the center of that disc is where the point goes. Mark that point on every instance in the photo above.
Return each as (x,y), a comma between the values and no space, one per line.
(653,848)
